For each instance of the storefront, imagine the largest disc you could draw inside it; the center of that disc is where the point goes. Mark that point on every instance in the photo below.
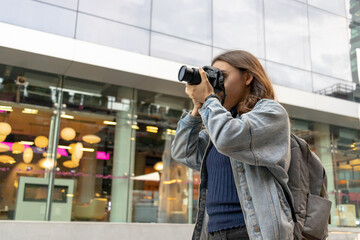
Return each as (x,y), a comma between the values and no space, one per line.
(94,125)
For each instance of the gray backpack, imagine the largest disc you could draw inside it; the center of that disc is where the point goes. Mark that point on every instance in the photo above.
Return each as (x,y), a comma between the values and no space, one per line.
(308,186)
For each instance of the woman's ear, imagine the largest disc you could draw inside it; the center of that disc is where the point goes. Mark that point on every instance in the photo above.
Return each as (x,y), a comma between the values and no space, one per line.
(249,78)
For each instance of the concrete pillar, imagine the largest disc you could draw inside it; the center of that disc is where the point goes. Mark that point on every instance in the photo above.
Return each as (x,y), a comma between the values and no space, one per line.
(124,152)
(323,150)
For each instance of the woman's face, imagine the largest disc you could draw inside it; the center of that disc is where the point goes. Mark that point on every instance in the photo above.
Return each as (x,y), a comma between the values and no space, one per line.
(235,84)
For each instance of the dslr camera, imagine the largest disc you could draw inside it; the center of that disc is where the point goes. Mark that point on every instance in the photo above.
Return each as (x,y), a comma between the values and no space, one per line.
(192,76)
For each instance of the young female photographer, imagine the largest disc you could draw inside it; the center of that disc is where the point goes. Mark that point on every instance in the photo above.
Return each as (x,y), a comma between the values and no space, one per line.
(243,153)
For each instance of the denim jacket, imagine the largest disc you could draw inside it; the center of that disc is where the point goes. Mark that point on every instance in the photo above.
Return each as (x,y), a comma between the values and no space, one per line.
(258,145)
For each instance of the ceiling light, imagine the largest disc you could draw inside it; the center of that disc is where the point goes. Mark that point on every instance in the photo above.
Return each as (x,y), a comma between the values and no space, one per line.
(6,108)
(159,166)
(26,143)
(41,141)
(170,131)
(5,128)
(92,139)
(30,111)
(136,127)
(88,149)
(68,133)
(152,129)
(109,123)
(64,147)
(67,116)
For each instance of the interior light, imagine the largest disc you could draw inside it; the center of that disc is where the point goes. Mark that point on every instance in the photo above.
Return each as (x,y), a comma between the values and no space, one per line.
(30,111)
(159,166)
(67,116)
(26,143)
(170,131)
(6,108)
(109,123)
(88,149)
(152,129)
(136,127)
(64,147)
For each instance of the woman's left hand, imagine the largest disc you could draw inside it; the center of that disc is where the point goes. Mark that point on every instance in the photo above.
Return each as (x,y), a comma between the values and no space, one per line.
(201,91)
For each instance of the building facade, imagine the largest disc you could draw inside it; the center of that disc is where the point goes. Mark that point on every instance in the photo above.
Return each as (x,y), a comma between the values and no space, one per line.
(89,99)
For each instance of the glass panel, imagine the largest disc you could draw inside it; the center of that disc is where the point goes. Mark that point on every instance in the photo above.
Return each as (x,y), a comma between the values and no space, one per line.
(164,190)
(239,24)
(354,25)
(334,6)
(329,56)
(26,104)
(287,34)
(72,4)
(180,50)
(39,16)
(112,34)
(183,18)
(96,144)
(126,11)
(333,87)
(346,153)
(289,77)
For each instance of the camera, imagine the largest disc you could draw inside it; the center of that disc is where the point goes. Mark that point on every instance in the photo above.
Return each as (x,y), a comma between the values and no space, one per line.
(21,80)
(192,76)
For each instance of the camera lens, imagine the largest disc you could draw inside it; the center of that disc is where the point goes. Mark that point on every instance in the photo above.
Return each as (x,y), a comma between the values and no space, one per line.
(185,74)
(189,75)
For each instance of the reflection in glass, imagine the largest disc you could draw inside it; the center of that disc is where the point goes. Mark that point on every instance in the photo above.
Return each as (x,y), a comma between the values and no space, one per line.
(186,19)
(329,55)
(179,50)
(112,34)
(346,153)
(238,24)
(160,195)
(127,11)
(72,4)
(334,6)
(48,18)
(333,87)
(288,76)
(287,34)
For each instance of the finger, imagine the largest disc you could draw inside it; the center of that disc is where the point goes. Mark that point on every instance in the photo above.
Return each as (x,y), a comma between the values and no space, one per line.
(203,75)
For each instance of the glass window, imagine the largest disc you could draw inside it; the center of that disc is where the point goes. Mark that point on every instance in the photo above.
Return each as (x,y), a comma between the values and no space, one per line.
(112,34)
(290,77)
(329,44)
(333,87)
(39,16)
(345,152)
(239,24)
(183,18)
(126,11)
(334,6)
(287,34)
(164,190)
(26,109)
(179,50)
(71,4)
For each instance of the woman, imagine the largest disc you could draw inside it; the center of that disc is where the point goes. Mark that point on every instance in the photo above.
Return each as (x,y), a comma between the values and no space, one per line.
(243,153)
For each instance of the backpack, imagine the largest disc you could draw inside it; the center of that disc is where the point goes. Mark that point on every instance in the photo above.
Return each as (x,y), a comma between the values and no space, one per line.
(308,187)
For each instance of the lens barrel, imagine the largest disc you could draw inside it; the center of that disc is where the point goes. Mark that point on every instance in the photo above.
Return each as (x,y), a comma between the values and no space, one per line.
(189,75)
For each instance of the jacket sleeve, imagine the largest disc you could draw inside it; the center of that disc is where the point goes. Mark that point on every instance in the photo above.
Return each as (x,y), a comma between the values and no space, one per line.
(260,137)
(190,142)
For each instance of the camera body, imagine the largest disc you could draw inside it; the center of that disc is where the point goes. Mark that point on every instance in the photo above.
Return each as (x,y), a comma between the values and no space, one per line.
(21,80)
(192,76)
